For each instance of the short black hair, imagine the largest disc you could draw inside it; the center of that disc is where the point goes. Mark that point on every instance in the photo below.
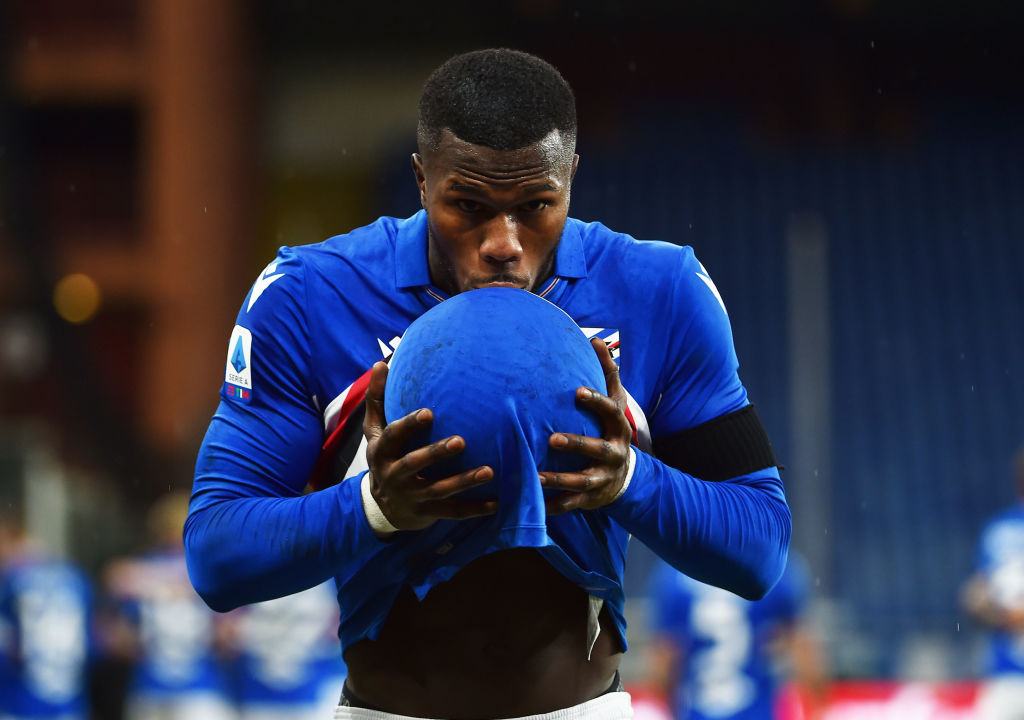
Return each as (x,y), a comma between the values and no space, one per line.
(501,98)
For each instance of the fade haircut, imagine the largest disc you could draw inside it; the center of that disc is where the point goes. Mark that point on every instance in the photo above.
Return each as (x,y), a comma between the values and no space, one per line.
(501,98)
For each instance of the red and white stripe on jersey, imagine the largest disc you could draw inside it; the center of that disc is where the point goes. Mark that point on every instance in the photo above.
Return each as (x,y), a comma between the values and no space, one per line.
(339,409)
(342,416)
(638,421)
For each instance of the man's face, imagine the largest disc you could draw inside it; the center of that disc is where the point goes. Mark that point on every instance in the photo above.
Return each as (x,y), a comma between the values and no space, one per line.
(494,217)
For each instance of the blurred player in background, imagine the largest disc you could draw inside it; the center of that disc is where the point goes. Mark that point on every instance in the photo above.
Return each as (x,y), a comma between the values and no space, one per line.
(994,595)
(168,634)
(46,612)
(718,656)
(288,663)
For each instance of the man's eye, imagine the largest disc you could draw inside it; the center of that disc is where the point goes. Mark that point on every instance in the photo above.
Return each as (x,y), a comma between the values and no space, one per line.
(536,205)
(468,206)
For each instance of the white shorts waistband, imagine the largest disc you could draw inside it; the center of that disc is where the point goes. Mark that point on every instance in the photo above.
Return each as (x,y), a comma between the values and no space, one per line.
(610,706)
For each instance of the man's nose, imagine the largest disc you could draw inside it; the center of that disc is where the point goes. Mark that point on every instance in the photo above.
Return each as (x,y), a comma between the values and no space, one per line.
(501,241)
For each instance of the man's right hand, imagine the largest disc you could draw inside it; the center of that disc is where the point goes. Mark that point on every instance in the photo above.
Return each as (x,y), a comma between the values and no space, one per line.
(408,500)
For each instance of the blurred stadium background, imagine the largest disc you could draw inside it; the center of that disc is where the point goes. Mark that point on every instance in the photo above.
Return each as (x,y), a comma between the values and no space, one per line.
(851,173)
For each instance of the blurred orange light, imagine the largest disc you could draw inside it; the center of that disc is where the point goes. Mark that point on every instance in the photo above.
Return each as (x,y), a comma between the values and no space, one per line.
(76,297)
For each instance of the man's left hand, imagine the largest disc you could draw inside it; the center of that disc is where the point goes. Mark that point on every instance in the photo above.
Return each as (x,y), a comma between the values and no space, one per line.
(600,482)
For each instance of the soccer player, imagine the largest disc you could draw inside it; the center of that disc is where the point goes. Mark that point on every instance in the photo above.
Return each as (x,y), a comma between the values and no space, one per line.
(680,462)
(159,624)
(287,661)
(994,595)
(717,655)
(46,640)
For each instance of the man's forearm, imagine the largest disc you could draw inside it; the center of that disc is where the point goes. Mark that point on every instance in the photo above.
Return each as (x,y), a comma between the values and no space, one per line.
(732,534)
(242,550)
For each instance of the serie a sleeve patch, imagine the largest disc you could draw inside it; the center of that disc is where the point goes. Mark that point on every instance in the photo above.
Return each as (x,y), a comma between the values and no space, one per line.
(238,369)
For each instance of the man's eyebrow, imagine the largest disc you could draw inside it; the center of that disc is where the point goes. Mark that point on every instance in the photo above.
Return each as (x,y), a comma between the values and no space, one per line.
(542,187)
(468,188)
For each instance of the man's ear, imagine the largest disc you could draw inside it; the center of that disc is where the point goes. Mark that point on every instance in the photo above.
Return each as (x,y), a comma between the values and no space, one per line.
(421,178)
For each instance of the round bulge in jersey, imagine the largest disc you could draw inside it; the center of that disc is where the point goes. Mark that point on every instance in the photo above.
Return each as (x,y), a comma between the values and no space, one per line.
(499,367)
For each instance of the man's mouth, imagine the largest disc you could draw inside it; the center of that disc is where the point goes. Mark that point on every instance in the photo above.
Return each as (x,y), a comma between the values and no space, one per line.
(498,283)
(509,281)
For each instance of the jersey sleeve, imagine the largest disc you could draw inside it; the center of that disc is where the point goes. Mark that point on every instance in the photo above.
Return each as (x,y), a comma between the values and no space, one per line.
(732,534)
(251,533)
(701,373)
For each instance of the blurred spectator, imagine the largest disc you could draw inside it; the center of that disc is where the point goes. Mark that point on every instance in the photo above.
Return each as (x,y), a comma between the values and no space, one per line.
(289,664)
(169,634)
(716,655)
(45,629)
(994,595)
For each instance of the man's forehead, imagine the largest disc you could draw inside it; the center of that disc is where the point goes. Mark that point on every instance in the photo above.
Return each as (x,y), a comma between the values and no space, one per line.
(550,154)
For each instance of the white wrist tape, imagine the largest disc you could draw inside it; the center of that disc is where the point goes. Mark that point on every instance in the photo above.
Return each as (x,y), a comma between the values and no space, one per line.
(631,464)
(380,525)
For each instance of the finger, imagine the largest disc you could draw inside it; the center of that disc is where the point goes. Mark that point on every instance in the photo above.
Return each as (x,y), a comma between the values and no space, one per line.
(610,368)
(415,461)
(569,482)
(458,509)
(393,437)
(447,487)
(596,448)
(373,420)
(609,410)
(563,503)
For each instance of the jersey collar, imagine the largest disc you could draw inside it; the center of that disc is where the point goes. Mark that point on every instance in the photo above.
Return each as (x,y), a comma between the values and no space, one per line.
(411,269)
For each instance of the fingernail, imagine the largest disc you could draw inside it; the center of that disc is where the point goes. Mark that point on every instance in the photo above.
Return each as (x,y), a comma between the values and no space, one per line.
(586,393)
(560,440)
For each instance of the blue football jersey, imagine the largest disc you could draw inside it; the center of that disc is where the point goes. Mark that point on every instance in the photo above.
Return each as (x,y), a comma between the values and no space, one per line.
(1001,562)
(727,668)
(317,319)
(175,628)
(45,639)
(287,651)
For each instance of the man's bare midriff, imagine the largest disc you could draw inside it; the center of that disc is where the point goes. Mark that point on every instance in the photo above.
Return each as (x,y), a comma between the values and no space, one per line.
(505,637)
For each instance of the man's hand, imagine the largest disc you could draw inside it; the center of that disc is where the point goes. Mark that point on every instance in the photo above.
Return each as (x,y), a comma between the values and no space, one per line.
(408,500)
(598,484)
